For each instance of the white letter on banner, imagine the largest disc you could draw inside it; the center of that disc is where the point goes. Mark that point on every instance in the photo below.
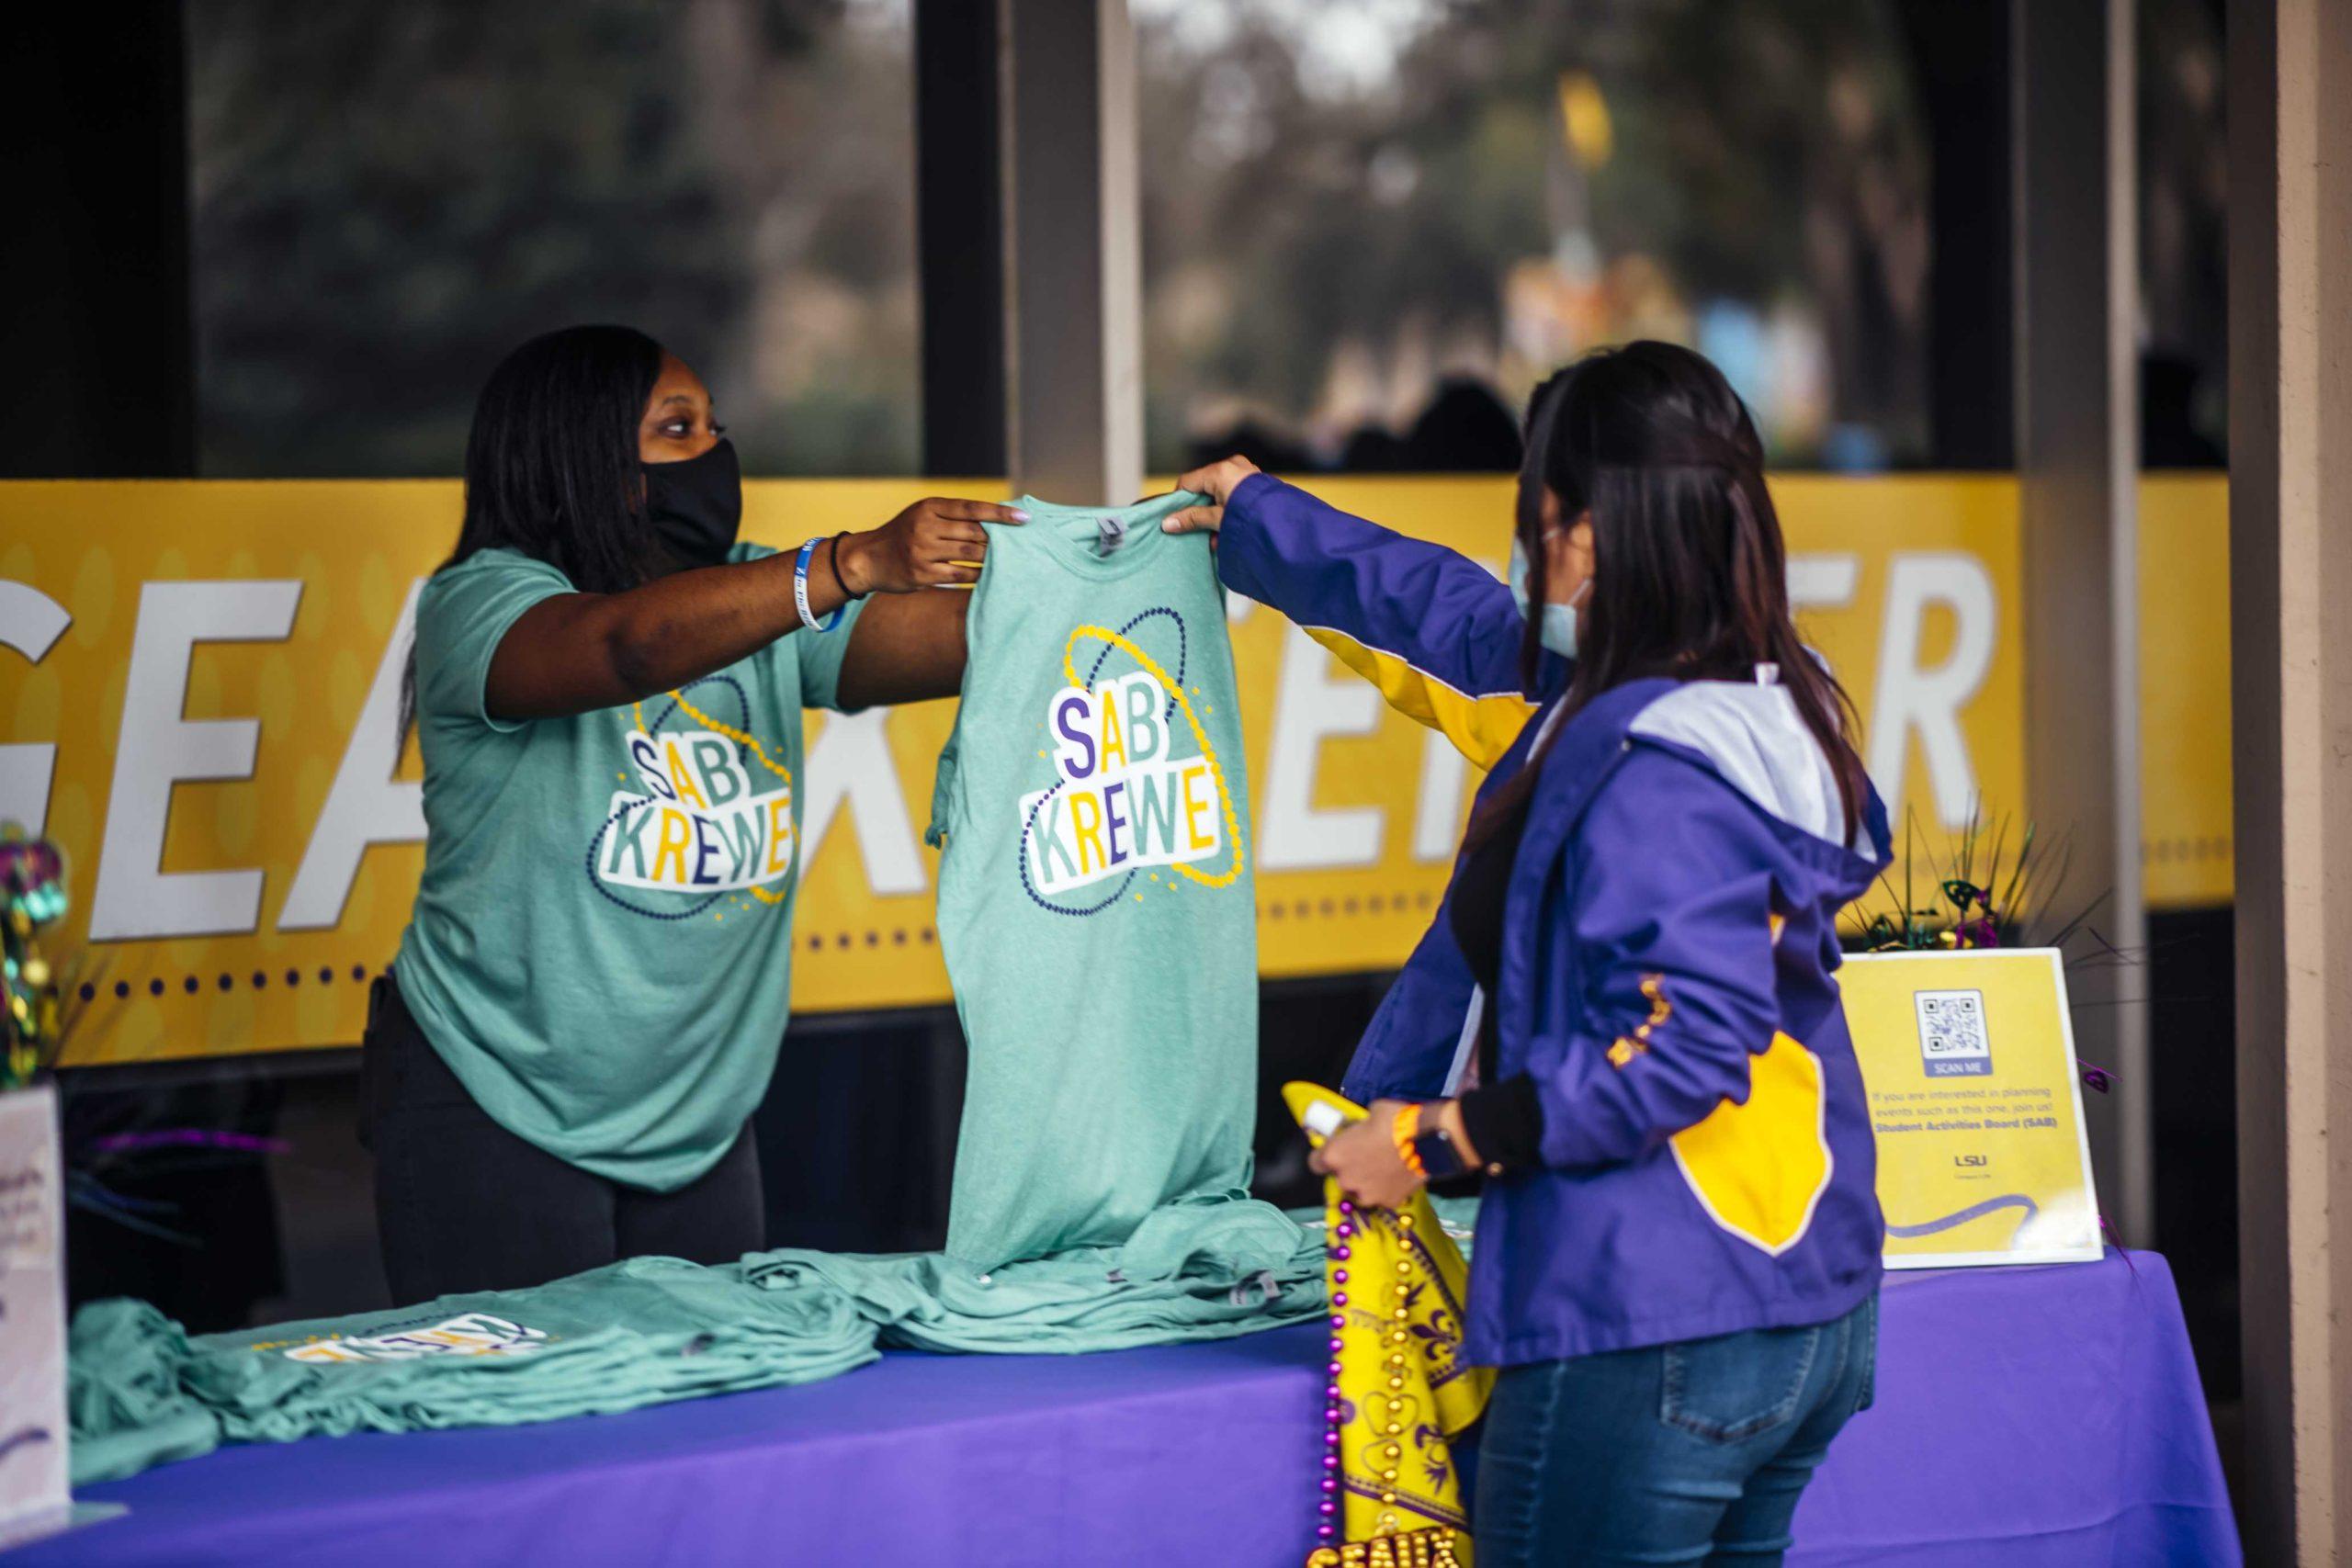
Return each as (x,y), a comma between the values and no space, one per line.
(1929,700)
(1437,815)
(30,621)
(366,805)
(1308,705)
(1822,582)
(850,765)
(136,897)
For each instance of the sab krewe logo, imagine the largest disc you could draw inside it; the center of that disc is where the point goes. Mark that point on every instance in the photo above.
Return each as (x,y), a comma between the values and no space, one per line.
(1122,800)
(1131,789)
(474,1334)
(701,821)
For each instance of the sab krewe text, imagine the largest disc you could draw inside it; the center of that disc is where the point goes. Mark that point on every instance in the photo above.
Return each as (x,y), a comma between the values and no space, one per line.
(1123,801)
(699,828)
(472,1334)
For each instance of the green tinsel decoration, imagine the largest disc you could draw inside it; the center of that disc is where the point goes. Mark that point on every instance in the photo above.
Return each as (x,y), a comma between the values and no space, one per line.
(32,895)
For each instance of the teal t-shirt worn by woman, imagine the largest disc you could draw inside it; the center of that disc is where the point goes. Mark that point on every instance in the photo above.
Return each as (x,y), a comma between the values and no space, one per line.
(602,945)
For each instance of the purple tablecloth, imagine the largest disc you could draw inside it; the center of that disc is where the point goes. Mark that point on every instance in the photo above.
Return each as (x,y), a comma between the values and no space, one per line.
(2024,1416)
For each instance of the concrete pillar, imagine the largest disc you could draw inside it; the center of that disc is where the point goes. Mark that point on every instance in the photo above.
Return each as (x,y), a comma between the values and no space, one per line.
(2073,103)
(1074,252)
(2290,682)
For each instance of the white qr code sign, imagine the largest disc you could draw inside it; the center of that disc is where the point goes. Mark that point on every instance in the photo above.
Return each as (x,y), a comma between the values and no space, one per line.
(1952,1034)
(33,1496)
(1973,1166)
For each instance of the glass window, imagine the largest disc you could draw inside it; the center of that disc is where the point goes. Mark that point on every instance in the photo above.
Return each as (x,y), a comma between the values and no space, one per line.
(2184,209)
(1368,232)
(387,198)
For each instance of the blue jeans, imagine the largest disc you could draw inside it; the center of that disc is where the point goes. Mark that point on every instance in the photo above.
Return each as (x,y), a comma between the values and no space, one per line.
(1692,1453)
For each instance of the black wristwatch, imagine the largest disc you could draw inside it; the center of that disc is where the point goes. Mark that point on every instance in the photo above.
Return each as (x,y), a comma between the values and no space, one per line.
(1440,1157)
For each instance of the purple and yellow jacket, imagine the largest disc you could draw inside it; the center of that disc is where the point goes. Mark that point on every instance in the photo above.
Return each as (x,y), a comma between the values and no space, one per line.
(1667,996)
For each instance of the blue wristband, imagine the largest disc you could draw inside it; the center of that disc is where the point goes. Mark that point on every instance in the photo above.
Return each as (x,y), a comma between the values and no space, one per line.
(800,589)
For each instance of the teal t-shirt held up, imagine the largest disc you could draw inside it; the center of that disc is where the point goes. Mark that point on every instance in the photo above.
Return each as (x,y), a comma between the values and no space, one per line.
(601,948)
(1095,903)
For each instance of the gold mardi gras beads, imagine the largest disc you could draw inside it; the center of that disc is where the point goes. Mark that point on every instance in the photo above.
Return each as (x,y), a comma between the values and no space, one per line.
(1399,1331)
(1420,1549)
(1399,1320)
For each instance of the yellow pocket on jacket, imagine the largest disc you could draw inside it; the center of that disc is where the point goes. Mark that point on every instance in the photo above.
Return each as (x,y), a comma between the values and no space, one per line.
(1760,1167)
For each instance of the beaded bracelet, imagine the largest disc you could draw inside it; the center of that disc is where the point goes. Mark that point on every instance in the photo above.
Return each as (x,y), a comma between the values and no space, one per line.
(1403,1130)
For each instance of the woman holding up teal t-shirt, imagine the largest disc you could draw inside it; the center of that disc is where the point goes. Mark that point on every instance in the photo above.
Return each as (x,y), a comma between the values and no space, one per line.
(607,688)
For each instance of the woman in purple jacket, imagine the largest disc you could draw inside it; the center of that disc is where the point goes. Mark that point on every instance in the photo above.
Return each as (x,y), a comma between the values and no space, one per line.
(1625,1015)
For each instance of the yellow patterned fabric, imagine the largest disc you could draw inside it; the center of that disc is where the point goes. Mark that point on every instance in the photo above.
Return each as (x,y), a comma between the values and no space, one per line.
(1393,1499)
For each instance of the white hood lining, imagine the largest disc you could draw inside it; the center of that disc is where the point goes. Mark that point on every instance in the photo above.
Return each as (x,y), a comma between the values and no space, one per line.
(1757,739)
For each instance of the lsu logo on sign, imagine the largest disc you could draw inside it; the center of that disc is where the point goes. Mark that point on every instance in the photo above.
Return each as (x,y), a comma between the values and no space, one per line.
(1952,1042)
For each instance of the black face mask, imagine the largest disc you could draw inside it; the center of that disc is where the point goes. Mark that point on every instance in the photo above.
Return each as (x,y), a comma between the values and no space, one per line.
(696,505)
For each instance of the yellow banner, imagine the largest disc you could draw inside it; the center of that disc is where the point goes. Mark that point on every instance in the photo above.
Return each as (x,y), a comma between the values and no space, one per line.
(2186,831)
(198,682)
(1969,1061)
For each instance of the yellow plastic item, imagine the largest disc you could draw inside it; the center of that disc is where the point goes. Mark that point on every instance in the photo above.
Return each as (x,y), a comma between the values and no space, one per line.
(1396,1282)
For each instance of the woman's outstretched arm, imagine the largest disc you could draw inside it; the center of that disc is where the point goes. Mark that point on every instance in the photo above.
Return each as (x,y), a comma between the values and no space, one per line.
(577,652)
(1432,628)
(908,647)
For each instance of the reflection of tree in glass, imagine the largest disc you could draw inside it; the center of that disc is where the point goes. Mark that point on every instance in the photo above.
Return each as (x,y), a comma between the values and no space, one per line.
(2184,201)
(387,198)
(1322,256)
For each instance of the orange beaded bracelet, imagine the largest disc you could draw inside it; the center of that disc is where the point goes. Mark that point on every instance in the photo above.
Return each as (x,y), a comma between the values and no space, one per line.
(1403,1130)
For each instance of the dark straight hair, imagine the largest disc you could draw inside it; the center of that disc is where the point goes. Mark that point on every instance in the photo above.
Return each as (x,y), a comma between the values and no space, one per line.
(1689,571)
(551,462)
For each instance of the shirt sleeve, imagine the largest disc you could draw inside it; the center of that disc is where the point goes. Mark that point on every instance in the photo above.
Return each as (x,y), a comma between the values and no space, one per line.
(463,615)
(1433,630)
(1669,914)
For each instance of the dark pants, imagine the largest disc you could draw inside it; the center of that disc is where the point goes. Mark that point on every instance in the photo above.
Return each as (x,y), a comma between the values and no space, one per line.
(1693,1452)
(463,1204)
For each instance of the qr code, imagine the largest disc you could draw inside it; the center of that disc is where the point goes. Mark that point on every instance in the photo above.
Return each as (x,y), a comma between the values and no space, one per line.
(1952,1034)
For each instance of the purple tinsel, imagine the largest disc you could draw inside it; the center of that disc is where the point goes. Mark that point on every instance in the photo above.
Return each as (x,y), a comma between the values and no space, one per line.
(188,1138)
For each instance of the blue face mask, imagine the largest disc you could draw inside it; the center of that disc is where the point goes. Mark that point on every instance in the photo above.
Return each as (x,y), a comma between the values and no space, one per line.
(1559,631)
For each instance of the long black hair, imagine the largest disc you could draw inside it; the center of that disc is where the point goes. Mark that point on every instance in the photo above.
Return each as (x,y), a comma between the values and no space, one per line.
(551,462)
(551,465)
(1689,571)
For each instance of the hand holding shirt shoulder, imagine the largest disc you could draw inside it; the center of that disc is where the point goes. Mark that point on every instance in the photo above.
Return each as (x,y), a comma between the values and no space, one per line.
(936,542)
(1218,480)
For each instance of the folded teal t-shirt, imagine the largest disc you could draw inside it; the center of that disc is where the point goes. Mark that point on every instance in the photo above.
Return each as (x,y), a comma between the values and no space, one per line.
(642,1332)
